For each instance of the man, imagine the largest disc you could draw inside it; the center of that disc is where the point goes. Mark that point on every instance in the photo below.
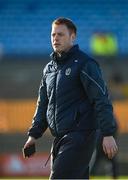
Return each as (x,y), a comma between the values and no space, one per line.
(73,102)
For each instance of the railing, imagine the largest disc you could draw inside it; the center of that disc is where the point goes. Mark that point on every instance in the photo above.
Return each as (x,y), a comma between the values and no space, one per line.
(16,115)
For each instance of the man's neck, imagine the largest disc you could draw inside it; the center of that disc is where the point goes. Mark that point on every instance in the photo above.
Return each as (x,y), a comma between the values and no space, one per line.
(65,51)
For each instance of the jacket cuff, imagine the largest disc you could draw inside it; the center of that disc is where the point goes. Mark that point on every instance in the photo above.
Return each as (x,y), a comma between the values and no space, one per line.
(110,133)
(35,135)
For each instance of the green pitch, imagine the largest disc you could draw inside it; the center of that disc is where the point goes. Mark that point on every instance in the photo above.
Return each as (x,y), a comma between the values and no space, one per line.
(46,178)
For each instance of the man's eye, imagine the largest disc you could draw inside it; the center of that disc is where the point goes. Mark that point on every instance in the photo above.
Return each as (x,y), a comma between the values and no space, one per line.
(60,34)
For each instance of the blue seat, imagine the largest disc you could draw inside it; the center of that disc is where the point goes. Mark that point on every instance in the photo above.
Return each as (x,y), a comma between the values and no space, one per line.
(25,24)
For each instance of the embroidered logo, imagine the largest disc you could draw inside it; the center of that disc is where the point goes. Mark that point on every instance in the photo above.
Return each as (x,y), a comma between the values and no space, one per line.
(68,71)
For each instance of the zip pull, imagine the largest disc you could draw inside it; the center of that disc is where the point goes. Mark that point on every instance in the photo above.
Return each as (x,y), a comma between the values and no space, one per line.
(44,166)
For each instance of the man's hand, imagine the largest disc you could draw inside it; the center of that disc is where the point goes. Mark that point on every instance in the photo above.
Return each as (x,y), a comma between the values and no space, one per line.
(109,146)
(30,141)
(29,147)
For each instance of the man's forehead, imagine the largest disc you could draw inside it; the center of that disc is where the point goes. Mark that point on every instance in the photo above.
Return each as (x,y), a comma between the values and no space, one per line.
(59,28)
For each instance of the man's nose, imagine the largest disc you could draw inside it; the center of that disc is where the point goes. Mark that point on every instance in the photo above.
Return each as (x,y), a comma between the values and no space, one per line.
(56,37)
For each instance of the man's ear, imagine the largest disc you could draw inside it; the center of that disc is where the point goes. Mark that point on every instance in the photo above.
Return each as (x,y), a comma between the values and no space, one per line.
(73,36)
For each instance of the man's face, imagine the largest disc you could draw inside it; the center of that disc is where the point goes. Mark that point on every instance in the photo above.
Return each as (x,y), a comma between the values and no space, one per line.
(61,38)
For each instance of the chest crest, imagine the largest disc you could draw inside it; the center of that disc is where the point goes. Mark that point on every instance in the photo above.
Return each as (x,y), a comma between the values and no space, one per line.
(68,71)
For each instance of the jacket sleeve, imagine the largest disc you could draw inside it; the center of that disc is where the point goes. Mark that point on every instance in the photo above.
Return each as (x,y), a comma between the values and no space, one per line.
(39,122)
(96,90)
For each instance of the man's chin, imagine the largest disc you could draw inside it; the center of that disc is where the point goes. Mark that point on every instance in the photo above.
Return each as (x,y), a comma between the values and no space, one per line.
(57,50)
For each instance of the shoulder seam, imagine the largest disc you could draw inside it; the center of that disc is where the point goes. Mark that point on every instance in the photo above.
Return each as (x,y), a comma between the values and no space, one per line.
(103,90)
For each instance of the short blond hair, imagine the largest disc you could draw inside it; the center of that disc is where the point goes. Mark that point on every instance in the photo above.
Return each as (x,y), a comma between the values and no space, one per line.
(68,22)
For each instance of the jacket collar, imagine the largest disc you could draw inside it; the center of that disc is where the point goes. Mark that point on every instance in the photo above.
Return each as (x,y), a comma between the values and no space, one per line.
(64,56)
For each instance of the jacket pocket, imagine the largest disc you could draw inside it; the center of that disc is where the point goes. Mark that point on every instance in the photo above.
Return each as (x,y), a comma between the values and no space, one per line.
(76,119)
(69,120)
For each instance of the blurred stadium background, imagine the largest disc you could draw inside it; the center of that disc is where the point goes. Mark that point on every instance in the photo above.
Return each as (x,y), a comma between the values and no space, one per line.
(24,50)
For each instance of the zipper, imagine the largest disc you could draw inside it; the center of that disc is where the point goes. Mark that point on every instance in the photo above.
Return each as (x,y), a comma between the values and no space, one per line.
(55,103)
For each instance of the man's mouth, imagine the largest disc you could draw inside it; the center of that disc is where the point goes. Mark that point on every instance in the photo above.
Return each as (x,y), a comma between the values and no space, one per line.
(56,44)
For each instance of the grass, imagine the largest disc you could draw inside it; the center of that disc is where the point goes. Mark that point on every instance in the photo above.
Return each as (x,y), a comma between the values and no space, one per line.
(46,178)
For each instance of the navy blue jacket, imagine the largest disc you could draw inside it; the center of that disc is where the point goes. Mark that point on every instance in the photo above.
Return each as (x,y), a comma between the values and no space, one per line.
(72,97)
